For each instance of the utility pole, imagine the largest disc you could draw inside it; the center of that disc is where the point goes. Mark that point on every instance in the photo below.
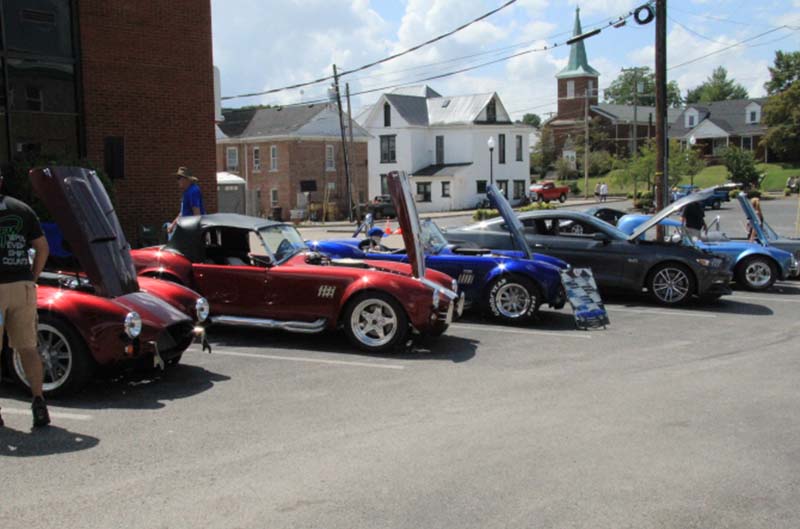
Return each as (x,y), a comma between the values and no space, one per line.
(586,145)
(344,144)
(662,147)
(350,133)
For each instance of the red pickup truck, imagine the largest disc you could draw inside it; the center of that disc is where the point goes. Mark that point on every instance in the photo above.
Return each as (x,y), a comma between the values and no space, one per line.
(545,191)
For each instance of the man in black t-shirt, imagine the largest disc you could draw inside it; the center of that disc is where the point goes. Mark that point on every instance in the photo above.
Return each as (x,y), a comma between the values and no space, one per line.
(19,232)
(694,219)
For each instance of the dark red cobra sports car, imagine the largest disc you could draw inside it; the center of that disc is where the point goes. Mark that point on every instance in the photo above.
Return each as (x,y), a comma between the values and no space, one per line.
(102,315)
(260,273)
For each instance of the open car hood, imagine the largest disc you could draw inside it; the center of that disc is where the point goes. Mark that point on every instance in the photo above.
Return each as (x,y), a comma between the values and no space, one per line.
(513,223)
(76,199)
(752,217)
(408,218)
(670,209)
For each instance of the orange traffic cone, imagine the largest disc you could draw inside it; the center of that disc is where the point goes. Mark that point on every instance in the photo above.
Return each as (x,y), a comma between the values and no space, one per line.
(388,229)
(398,231)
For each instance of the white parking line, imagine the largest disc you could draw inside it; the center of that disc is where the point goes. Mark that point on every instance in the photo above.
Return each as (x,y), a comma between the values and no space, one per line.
(665,312)
(54,414)
(776,297)
(511,330)
(308,360)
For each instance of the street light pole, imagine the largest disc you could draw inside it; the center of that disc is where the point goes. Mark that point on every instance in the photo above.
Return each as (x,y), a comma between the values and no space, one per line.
(490,143)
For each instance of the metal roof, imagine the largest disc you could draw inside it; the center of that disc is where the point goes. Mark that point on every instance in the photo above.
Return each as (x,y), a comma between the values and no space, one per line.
(578,65)
(420,90)
(458,110)
(300,121)
(413,109)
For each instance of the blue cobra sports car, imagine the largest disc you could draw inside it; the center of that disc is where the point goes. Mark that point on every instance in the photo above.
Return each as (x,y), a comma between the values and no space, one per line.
(754,266)
(509,285)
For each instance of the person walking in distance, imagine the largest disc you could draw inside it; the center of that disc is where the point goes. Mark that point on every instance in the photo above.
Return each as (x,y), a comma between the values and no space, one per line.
(19,232)
(597,192)
(603,191)
(191,199)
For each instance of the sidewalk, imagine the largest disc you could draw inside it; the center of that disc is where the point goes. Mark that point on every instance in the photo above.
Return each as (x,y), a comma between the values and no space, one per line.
(450,214)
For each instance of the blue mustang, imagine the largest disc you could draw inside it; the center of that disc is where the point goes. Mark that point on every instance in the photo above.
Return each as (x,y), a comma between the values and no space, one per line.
(510,285)
(754,266)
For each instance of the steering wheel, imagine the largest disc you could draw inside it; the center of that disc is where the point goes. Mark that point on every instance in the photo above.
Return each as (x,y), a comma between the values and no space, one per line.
(366,246)
(260,260)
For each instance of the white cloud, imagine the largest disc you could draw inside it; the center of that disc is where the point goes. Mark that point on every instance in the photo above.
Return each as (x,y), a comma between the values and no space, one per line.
(606,8)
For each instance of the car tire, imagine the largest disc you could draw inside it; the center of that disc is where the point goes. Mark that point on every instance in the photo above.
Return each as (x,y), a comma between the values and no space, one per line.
(562,198)
(716,204)
(67,362)
(756,273)
(513,299)
(671,284)
(375,322)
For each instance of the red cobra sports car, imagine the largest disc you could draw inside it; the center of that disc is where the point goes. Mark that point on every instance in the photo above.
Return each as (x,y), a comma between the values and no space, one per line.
(260,273)
(103,315)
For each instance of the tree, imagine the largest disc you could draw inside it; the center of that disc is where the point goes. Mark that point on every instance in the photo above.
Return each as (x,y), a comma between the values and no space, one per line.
(741,166)
(621,91)
(683,163)
(641,172)
(716,88)
(782,117)
(544,153)
(784,73)
(533,120)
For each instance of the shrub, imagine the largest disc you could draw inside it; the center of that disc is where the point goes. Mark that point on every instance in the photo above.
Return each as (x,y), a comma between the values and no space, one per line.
(574,188)
(643,203)
(629,196)
(741,167)
(733,194)
(484,214)
(787,192)
(564,169)
(754,193)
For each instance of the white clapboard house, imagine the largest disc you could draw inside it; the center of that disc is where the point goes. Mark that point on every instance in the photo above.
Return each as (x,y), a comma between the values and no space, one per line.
(442,142)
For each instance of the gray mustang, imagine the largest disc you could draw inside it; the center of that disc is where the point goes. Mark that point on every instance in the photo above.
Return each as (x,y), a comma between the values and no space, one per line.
(670,271)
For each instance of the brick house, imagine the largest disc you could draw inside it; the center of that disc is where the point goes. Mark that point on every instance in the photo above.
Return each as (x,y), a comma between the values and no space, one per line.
(292,160)
(92,79)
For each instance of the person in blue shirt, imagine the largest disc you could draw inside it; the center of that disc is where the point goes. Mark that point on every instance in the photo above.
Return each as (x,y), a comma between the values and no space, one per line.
(192,199)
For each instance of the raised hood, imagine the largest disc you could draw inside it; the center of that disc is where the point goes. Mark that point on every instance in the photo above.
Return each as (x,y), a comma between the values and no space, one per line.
(408,218)
(499,201)
(752,217)
(669,210)
(76,199)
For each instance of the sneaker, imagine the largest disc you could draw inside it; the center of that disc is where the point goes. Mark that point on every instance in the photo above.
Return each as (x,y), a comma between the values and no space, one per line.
(41,417)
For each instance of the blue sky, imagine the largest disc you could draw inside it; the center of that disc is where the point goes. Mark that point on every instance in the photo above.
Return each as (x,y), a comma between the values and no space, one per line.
(261,45)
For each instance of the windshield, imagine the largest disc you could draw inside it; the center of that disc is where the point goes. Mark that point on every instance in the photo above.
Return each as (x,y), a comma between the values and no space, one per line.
(769,232)
(432,238)
(673,234)
(283,241)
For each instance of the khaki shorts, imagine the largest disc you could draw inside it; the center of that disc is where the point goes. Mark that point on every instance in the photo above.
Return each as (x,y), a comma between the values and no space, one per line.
(18,314)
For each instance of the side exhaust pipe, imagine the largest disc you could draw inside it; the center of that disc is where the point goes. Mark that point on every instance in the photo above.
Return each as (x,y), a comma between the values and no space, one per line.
(302,327)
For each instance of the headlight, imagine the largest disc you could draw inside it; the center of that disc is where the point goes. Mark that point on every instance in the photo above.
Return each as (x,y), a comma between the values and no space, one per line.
(713,262)
(202,309)
(133,325)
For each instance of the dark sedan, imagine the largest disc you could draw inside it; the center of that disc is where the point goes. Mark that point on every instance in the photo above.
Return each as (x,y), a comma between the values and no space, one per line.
(671,271)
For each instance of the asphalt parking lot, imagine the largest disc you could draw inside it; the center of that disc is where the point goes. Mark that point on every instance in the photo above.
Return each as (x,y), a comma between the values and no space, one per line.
(669,418)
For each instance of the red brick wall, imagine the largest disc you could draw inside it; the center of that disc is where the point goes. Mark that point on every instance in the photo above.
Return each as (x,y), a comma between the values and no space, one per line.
(148,77)
(301,160)
(573,108)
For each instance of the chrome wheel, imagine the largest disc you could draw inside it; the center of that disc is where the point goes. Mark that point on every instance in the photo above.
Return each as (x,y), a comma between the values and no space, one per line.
(513,300)
(57,358)
(374,322)
(671,285)
(758,274)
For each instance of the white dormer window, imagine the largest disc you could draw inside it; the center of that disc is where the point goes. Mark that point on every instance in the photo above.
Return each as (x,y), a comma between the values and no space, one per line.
(691,118)
(753,113)
(570,89)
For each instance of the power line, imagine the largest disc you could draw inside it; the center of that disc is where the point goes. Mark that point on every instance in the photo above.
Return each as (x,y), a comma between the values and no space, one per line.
(691,61)
(690,30)
(380,61)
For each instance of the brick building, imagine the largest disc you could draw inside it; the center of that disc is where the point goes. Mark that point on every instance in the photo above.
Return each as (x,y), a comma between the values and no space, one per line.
(292,159)
(93,79)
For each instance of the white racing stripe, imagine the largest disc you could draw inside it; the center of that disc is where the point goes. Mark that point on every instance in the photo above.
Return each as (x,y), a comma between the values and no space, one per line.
(54,414)
(511,330)
(307,360)
(665,312)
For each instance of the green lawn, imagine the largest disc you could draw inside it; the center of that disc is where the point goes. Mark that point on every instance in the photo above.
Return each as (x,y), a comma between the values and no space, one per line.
(775,180)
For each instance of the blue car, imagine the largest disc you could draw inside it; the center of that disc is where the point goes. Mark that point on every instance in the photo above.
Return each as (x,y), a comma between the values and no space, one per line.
(754,266)
(720,194)
(509,285)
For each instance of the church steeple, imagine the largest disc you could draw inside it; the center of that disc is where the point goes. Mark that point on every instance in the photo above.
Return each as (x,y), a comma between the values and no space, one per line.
(578,65)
